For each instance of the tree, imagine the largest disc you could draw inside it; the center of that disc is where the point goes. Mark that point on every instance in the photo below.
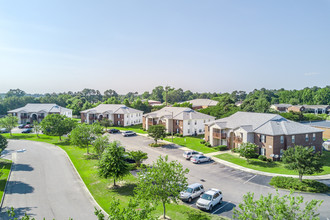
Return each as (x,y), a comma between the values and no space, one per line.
(157,132)
(248,150)
(15,92)
(57,125)
(36,127)
(106,123)
(136,210)
(303,160)
(138,156)
(275,207)
(3,143)
(100,144)
(9,122)
(82,136)
(112,163)
(162,183)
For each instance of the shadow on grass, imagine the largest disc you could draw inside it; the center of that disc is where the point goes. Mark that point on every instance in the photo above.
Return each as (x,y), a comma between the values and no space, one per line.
(326,158)
(90,156)
(264,164)
(63,143)
(125,190)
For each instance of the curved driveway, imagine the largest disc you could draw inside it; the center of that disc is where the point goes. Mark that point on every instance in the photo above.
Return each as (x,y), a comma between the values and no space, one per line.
(43,183)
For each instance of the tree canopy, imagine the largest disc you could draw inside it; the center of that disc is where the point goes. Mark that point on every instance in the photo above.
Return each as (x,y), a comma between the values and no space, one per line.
(57,125)
(9,122)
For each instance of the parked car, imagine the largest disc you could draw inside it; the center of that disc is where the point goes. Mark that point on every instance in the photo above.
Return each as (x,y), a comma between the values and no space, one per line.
(209,199)
(193,191)
(128,133)
(112,131)
(27,130)
(4,130)
(28,126)
(200,159)
(21,126)
(191,153)
(326,145)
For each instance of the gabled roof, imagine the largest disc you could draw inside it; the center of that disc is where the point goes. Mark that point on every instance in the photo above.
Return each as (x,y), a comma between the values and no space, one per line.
(40,107)
(179,113)
(282,105)
(111,109)
(203,102)
(263,123)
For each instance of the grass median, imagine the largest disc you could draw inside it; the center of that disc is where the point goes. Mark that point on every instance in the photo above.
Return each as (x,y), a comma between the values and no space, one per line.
(135,128)
(99,187)
(273,167)
(193,143)
(5,166)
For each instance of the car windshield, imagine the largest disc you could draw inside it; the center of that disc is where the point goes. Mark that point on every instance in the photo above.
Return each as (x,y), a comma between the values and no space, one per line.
(206,197)
(189,190)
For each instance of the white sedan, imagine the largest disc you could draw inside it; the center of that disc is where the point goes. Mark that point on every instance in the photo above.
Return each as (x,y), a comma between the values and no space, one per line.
(200,159)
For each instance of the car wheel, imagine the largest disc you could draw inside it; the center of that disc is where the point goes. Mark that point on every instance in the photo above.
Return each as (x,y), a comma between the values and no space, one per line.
(189,200)
(220,202)
(211,207)
(209,160)
(198,162)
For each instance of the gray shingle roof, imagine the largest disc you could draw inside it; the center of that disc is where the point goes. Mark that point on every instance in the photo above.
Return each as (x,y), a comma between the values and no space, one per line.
(203,102)
(263,123)
(179,113)
(40,107)
(112,108)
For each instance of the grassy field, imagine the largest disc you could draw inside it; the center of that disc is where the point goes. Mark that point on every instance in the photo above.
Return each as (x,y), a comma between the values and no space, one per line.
(274,167)
(5,166)
(135,128)
(191,143)
(99,187)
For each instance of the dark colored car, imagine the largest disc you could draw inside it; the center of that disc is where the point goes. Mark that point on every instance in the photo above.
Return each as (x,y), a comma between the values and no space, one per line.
(113,131)
(128,133)
(4,130)
(21,126)
(27,130)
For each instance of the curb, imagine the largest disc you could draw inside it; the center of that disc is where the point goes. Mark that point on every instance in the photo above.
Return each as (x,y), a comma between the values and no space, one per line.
(4,191)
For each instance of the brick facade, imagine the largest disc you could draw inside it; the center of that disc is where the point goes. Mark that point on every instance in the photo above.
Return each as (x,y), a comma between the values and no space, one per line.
(118,119)
(178,127)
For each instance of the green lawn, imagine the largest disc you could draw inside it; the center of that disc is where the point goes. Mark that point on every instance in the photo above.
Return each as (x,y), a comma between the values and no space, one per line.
(193,143)
(135,128)
(274,167)
(87,169)
(5,166)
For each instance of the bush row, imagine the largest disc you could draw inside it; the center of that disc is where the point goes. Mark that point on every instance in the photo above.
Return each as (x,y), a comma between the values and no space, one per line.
(294,183)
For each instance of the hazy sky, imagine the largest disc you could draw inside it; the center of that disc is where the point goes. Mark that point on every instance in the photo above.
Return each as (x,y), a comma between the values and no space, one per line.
(205,45)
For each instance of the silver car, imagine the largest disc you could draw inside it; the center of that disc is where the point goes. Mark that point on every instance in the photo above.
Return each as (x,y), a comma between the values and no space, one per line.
(191,153)
(193,191)
(200,159)
(209,199)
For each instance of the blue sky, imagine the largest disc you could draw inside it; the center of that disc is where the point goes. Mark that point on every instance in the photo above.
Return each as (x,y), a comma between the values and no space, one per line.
(204,46)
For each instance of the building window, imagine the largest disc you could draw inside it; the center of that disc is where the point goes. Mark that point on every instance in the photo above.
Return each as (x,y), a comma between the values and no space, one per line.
(313,148)
(281,152)
(262,151)
(188,124)
(118,122)
(177,131)
(306,137)
(200,130)
(314,137)
(293,139)
(127,116)
(188,131)
(282,139)
(177,122)
(118,116)
(263,138)
(131,115)
(195,122)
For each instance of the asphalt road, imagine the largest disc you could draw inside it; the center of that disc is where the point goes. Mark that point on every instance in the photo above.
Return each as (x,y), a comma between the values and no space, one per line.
(233,183)
(43,183)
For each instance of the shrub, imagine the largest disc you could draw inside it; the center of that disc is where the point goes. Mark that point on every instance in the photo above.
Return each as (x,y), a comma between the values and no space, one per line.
(143,166)
(203,142)
(295,184)
(269,160)
(207,144)
(262,157)
(222,147)
(235,150)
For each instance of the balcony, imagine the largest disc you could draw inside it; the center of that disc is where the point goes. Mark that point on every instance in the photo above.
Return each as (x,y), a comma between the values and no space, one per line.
(219,135)
(238,140)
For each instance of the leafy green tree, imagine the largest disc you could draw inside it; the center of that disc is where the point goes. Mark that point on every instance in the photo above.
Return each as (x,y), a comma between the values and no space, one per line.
(138,156)
(135,210)
(275,207)
(303,160)
(157,132)
(162,183)
(106,123)
(3,143)
(248,150)
(57,125)
(37,127)
(112,163)
(82,136)
(100,144)
(15,92)
(9,122)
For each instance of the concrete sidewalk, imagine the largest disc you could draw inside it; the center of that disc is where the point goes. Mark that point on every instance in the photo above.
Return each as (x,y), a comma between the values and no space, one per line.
(235,166)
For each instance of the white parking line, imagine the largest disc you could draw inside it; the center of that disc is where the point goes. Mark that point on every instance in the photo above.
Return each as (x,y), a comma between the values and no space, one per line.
(221,207)
(249,179)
